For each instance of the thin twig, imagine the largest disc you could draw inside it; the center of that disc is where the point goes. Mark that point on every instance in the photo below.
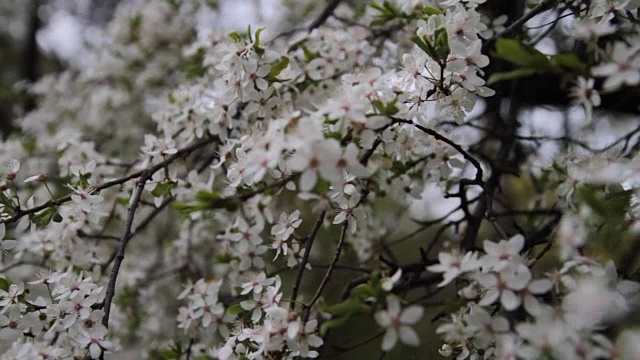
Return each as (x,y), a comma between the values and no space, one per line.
(367,155)
(542,7)
(342,350)
(305,258)
(325,14)
(423,226)
(474,219)
(327,275)
(460,149)
(22,263)
(131,211)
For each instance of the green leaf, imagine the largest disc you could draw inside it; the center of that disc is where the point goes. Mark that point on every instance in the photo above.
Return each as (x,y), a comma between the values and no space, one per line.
(4,284)
(515,52)
(332,323)
(425,45)
(45,216)
(569,61)
(611,204)
(588,195)
(193,66)
(441,44)
(390,9)
(213,200)
(430,11)
(222,258)
(4,200)
(135,24)
(439,49)
(235,309)
(334,135)
(387,10)
(164,188)
(235,36)
(277,68)
(208,200)
(256,44)
(510,75)
(308,54)
(348,307)
(365,291)
(389,109)
(452,305)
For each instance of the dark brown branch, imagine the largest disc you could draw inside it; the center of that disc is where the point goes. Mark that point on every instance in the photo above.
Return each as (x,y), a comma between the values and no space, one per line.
(131,211)
(22,263)
(499,164)
(327,275)
(533,212)
(460,149)
(325,14)
(367,155)
(342,350)
(305,258)
(542,7)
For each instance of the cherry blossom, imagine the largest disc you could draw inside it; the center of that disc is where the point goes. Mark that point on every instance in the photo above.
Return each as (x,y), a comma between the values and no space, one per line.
(94,339)
(504,253)
(396,321)
(454,264)
(504,285)
(623,69)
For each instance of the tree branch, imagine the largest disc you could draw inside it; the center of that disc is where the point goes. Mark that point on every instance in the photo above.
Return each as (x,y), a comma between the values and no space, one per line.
(325,14)
(305,258)
(542,7)
(133,205)
(327,275)
(460,149)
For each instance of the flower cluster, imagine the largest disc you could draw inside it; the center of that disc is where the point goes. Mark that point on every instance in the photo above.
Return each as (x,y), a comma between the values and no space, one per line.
(65,322)
(499,284)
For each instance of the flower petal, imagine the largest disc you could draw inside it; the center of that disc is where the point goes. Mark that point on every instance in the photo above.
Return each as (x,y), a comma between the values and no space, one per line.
(409,336)
(389,340)
(411,315)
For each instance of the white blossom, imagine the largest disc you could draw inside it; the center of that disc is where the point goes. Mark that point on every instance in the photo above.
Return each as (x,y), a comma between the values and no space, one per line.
(396,321)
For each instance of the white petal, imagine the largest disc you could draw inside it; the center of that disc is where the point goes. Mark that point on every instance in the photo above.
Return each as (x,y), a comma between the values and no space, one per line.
(532,305)
(9,244)
(293,329)
(340,218)
(393,305)
(8,334)
(382,318)
(308,180)
(519,279)
(509,300)
(540,286)
(516,244)
(95,351)
(23,224)
(490,297)
(490,247)
(411,315)
(389,340)
(409,336)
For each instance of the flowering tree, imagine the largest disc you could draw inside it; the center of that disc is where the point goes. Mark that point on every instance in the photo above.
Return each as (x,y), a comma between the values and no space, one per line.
(232,196)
